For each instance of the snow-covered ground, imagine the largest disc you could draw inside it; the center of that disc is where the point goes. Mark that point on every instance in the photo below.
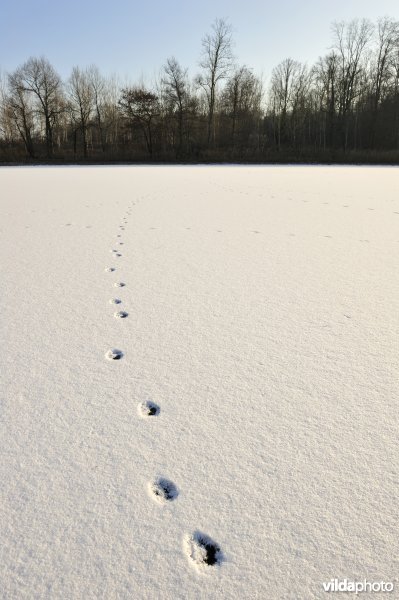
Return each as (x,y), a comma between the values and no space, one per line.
(262,323)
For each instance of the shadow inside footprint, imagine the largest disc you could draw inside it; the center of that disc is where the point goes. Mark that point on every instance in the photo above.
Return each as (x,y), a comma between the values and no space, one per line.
(163,490)
(149,409)
(203,550)
(114,354)
(121,314)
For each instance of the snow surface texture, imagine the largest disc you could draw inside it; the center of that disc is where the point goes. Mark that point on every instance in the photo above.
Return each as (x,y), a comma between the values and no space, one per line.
(258,376)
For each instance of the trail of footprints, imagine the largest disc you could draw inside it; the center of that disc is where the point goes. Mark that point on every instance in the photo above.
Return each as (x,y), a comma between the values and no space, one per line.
(202,550)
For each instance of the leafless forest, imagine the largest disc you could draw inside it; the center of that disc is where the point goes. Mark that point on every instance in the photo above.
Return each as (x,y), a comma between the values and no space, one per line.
(345,107)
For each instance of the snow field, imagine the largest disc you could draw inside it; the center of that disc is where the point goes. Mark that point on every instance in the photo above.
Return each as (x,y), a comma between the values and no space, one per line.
(244,444)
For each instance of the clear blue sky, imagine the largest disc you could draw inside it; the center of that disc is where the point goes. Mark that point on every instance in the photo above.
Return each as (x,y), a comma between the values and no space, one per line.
(133,38)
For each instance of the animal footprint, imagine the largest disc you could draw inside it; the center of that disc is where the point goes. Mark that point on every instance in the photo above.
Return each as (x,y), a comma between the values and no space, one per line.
(163,490)
(114,354)
(148,409)
(121,314)
(115,301)
(118,254)
(202,550)
(109,269)
(119,284)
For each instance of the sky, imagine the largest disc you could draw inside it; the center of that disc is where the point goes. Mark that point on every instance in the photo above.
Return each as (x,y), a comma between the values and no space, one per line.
(133,39)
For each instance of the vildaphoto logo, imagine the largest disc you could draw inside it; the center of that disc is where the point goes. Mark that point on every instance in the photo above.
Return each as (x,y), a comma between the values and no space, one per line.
(347,585)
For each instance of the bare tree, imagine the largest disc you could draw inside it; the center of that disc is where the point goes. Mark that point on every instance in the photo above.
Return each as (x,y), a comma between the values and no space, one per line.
(286,81)
(326,83)
(216,62)
(107,110)
(20,109)
(140,107)
(40,79)
(241,99)
(98,86)
(8,130)
(80,103)
(382,72)
(174,81)
(350,42)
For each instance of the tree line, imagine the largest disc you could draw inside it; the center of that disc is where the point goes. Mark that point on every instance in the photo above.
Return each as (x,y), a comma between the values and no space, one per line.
(344,107)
